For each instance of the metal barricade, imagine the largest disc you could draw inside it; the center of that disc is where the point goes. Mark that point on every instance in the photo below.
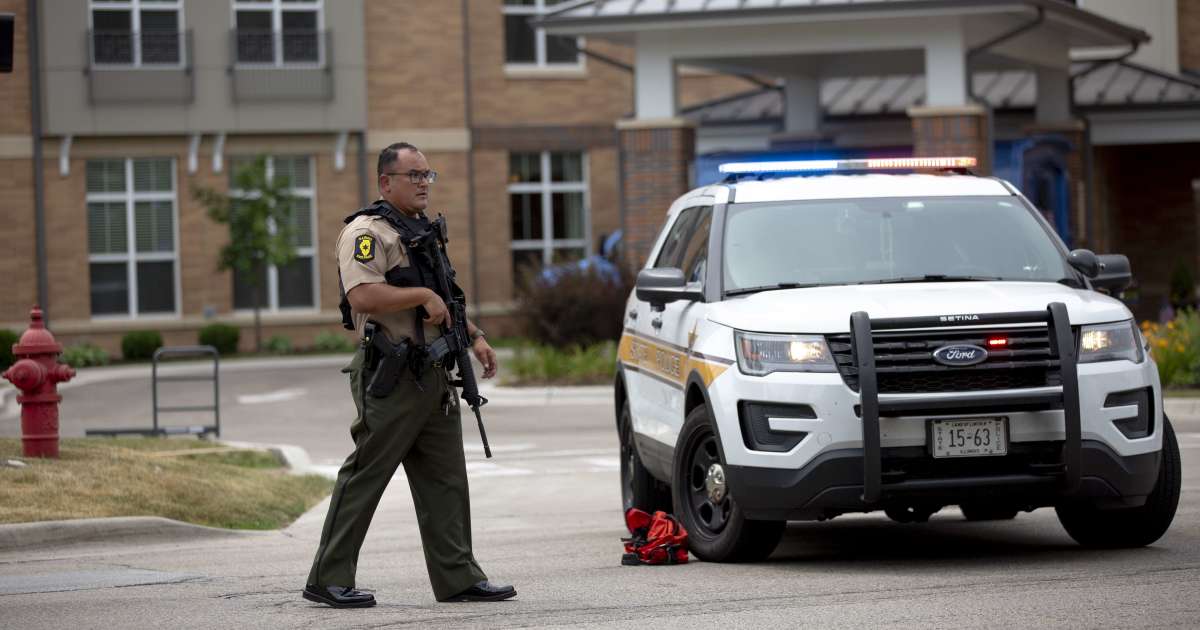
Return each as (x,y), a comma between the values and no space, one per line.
(155,379)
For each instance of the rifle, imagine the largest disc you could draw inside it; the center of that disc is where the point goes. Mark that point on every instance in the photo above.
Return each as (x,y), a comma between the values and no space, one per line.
(455,341)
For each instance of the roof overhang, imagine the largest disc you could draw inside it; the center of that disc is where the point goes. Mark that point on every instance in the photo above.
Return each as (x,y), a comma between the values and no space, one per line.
(621,20)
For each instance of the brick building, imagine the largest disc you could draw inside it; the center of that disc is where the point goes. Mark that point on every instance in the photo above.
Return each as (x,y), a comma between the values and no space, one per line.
(142,101)
(118,109)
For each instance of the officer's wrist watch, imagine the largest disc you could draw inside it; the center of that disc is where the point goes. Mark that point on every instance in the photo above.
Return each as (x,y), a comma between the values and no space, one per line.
(478,334)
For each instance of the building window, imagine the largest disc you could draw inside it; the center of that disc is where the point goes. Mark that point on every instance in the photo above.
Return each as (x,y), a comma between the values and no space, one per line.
(526,46)
(547,194)
(278,32)
(136,32)
(131,237)
(292,285)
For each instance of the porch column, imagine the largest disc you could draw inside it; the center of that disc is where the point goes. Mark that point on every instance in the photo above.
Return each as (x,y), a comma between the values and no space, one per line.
(948,124)
(656,149)
(1054,121)
(801,113)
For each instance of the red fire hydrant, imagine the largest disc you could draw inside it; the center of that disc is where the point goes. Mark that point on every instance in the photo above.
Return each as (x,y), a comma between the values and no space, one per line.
(37,374)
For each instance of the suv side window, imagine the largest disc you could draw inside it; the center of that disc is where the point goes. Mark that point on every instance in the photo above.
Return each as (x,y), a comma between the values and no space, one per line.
(695,253)
(672,251)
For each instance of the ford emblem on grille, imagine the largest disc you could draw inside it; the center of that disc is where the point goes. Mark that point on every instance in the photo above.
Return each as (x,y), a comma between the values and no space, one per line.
(960,355)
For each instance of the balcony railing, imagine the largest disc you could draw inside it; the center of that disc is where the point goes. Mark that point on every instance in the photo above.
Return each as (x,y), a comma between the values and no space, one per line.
(288,65)
(155,48)
(282,49)
(139,67)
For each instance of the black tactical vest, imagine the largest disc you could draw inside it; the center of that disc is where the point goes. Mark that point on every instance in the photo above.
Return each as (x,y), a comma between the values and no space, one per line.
(420,271)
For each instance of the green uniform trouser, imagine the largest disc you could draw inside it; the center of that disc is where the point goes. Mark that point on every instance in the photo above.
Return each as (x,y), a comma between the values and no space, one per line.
(412,427)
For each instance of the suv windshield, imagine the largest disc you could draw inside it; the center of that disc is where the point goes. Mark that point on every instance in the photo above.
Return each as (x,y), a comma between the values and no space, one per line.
(851,241)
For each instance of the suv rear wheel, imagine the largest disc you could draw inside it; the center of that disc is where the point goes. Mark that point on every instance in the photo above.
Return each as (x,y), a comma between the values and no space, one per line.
(1130,527)
(639,489)
(718,531)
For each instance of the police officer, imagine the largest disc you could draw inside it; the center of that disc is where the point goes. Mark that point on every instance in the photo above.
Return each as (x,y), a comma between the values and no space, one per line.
(417,423)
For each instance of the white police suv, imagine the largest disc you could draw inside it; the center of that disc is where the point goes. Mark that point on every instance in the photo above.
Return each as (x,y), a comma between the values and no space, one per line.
(815,338)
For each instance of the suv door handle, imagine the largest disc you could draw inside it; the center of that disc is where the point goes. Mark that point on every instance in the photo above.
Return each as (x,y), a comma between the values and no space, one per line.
(656,323)
(633,314)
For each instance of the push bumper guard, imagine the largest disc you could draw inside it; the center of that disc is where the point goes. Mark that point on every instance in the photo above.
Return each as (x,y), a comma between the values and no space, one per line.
(1062,345)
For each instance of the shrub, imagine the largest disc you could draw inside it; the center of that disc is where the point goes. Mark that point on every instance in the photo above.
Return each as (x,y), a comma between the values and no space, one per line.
(223,337)
(140,344)
(7,339)
(279,344)
(1176,348)
(546,365)
(580,307)
(85,355)
(332,342)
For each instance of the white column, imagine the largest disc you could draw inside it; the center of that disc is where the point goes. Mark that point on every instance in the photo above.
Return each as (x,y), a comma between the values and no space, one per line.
(802,105)
(1053,96)
(946,67)
(654,81)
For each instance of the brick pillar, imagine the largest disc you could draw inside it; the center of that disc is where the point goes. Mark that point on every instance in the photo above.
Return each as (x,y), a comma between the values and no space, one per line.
(952,131)
(655,161)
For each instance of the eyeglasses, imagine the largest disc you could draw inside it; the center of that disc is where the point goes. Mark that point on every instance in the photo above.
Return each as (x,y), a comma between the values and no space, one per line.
(416,177)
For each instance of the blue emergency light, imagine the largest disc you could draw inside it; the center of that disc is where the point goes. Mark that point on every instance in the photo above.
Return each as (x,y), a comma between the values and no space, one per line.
(868,164)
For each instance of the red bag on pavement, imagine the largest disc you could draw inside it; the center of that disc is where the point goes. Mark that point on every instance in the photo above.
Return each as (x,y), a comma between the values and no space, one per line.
(658,539)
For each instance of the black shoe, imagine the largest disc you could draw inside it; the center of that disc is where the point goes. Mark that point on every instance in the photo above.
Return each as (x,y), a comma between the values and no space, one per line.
(484,591)
(338,596)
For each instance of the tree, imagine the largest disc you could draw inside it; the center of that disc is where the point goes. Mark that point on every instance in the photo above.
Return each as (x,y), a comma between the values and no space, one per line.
(260,223)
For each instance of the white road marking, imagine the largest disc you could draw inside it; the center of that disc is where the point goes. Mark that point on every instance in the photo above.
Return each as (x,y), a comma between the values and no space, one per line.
(472,447)
(271,397)
(488,469)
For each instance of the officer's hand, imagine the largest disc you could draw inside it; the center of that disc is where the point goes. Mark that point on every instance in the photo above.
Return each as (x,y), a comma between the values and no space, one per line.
(436,310)
(486,355)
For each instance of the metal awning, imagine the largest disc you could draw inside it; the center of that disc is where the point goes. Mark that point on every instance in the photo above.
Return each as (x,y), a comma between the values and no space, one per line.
(615,19)
(1117,85)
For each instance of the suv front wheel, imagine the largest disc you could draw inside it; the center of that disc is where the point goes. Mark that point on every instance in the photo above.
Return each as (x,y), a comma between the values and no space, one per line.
(718,531)
(1130,527)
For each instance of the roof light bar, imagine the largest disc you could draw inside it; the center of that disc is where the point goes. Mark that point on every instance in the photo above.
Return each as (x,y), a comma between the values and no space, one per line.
(799,166)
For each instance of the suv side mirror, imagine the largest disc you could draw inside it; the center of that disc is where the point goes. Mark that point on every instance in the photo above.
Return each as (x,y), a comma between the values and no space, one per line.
(1085,261)
(1115,275)
(662,285)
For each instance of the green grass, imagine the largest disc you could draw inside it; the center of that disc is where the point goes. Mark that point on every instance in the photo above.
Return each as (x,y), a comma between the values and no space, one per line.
(1189,392)
(181,479)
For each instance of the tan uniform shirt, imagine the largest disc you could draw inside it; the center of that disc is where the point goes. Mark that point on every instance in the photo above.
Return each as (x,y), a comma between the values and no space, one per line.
(366,249)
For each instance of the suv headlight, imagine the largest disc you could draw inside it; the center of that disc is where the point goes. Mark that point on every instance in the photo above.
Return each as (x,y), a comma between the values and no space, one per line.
(1110,342)
(760,354)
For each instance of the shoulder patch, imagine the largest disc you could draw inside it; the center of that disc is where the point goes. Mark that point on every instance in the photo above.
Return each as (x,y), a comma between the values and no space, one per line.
(364,248)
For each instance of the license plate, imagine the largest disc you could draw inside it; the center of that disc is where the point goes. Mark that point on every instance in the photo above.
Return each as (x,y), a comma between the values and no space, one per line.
(968,438)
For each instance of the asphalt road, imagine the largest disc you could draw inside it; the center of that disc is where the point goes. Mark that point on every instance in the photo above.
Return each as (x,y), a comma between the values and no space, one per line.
(547,519)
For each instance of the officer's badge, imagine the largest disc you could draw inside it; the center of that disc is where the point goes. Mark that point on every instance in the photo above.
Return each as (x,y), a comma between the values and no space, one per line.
(364,248)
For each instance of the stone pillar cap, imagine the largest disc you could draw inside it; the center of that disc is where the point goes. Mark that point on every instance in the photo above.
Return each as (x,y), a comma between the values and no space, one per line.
(928,111)
(654,123)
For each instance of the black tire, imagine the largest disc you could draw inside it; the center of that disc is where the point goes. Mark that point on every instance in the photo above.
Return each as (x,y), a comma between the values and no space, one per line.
(639,489)
(718,531)
(984,512)
(1130,527)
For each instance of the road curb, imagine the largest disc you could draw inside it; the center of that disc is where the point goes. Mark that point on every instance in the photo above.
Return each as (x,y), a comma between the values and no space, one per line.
(1181,407)
(24,536)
